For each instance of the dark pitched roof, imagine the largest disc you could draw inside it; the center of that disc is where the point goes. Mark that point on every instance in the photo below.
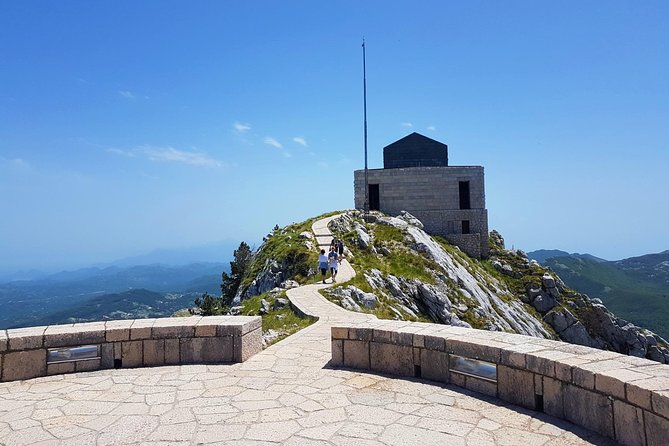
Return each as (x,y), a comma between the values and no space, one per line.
(415,150)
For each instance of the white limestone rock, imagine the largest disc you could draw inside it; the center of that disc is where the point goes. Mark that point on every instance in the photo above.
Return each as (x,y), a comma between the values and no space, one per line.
(280,303)
(264,306)
(352,297)
(375,279)
(342,224)
(288,284)
(410,219)
(364,240)
(505,316)
(348,303)
(269,336)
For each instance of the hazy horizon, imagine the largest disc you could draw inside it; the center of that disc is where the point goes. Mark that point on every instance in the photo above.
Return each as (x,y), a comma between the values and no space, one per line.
(220,256)
(175,255)
(127,127)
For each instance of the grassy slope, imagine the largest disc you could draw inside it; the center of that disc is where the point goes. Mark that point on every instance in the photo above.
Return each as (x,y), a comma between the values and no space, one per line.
(283,320)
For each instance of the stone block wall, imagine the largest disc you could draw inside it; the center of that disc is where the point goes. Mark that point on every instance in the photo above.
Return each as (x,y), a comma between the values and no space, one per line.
(432,195)
(621,397)
(129,343)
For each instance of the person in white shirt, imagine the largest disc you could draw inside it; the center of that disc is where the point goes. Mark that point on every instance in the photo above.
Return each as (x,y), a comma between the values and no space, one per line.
(323,264)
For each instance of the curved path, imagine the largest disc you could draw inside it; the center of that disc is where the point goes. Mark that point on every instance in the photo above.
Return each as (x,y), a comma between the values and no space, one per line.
(284,395)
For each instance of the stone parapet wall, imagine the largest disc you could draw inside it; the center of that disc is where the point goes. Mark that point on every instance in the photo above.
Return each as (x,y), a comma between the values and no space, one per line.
(24,352)
(621,397)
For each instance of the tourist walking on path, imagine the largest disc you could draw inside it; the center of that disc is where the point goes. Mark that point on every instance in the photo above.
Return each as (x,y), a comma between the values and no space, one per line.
(323,264)
(333,260)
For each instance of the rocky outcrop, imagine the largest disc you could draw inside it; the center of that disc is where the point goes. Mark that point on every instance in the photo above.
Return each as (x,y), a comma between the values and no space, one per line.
(308,239)
(459,295)
(354,299)
(363,240)
(484,293)
(619,335)
(270,277)
(588,322)
(570,329)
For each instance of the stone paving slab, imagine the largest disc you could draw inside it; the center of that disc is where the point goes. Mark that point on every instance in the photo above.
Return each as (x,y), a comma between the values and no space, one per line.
(285,395)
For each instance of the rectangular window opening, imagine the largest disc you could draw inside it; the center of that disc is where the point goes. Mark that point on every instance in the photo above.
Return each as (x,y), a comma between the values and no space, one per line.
(464,195)
(465,226)
(374,199)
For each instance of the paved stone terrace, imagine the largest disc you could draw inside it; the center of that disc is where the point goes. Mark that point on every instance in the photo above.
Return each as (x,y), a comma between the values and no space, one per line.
(285,395)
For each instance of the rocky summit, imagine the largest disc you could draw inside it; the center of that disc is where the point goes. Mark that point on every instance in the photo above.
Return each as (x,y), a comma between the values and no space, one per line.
(404,273)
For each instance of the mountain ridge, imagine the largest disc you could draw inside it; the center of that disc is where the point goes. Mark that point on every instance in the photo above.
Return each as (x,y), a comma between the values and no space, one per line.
(404,273)
(213,252)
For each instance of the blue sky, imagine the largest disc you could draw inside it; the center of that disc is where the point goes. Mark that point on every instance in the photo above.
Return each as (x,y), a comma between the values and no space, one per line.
(128,126)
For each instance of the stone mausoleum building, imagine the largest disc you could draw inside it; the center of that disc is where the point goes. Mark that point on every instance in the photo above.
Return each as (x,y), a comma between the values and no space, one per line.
(416,177)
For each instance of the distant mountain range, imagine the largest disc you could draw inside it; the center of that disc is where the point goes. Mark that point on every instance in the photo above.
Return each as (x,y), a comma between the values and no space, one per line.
(636,289)
(542,255)
(112,292)
(215,252)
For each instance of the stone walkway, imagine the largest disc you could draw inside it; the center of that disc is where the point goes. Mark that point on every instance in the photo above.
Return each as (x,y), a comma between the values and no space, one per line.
(285,395)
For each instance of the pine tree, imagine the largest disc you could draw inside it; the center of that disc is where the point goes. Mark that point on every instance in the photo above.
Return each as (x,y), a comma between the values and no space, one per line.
(230,282)
(210,305)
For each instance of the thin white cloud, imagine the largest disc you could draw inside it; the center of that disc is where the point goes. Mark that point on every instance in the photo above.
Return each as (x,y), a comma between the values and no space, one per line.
(126,94)
(287,155)
(169,154)
(120,152)
(242,127)
(432,128)
(301,141)
(272,142)
(407,124)
(149,177)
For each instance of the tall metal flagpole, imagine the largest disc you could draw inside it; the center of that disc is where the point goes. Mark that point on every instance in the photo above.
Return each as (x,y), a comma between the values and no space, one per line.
(364,87)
